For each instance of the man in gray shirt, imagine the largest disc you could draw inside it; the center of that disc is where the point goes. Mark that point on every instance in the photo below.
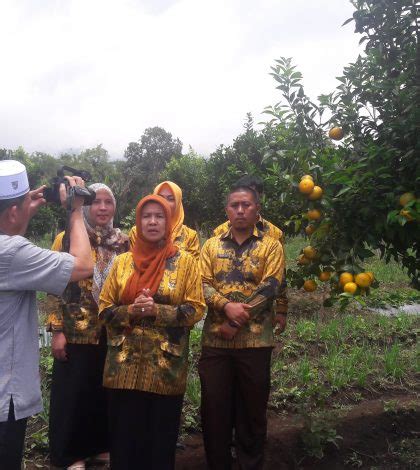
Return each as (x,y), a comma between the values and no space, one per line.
(25,269)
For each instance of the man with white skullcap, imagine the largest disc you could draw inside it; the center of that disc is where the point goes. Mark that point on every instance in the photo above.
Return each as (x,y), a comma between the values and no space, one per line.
(25,269)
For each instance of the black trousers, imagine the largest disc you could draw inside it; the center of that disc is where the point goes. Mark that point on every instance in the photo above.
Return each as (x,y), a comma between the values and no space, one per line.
(143,429)
(78,407)
(235,384)
(12,439)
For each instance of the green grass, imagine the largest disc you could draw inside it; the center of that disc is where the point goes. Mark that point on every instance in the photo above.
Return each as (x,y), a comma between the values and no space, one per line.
(393,361)
(386,273)
(343,356)
(293,247)
(387,295)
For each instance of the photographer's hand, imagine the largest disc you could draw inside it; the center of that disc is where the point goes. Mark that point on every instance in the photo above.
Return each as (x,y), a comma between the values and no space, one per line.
(77,200)
(37,200)
(79,240)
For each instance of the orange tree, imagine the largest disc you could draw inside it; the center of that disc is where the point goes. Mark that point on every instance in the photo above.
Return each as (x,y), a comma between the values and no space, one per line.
(375,111)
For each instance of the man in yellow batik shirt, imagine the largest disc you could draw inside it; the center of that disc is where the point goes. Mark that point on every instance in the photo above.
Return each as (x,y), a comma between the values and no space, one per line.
(242,272)
(271,230)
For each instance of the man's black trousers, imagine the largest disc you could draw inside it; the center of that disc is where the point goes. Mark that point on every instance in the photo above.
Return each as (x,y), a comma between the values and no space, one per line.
(235,384)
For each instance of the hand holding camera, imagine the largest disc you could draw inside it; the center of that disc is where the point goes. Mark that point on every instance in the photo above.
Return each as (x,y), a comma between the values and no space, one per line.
(66,190)
(73,184)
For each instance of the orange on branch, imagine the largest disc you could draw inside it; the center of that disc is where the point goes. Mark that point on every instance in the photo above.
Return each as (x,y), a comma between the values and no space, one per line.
(307,176)
(406,214)
(363,280)
(371,275)
(315,194)
(306,186)
(309,285)
(314,214)
(406,198)
(310,229)
(345,278)
(310,252)
(336,133)
(350,287)
(303,260)
(324,276)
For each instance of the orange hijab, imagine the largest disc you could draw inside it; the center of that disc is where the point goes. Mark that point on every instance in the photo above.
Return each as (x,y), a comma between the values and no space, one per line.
(178,217)
(149,257)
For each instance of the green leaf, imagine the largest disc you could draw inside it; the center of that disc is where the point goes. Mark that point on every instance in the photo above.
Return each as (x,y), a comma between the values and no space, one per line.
(365,253)
(343,191)
(347,22)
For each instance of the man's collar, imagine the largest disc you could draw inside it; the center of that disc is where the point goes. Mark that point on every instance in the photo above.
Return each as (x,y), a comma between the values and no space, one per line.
(257,233)
(260,223)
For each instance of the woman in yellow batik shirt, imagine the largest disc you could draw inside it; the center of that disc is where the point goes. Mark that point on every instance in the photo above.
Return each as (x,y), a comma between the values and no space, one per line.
(149,302)
(182,236)
(78,409)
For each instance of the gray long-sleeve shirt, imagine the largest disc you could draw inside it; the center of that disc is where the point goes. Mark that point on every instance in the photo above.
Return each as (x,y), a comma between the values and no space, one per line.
(24,269)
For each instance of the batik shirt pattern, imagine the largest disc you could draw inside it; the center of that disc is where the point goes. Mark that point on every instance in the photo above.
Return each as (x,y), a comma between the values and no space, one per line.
(282,302)
(75,313)
(241,273)
(152,354)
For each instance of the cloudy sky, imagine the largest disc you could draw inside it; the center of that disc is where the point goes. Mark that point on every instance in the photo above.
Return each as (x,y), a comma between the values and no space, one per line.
(77,73)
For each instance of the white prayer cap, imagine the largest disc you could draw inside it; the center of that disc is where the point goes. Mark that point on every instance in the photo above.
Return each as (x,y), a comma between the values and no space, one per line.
(13,179)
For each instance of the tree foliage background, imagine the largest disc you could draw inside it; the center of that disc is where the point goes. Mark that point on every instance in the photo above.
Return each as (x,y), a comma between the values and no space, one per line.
(377,103)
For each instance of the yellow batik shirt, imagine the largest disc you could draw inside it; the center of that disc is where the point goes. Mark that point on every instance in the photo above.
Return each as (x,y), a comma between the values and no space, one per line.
(186,240)
(75,313)
(282,302)
(264,225)
(152,354)
(250,273)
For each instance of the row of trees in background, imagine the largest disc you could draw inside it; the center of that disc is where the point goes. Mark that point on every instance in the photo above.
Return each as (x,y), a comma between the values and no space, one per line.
(155,157)
(376,105)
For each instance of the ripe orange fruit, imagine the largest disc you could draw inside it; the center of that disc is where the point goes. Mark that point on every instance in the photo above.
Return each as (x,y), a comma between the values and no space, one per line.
(324,276)
(314,214)
(309,285)
(310,229)
(310,252)
(406,198)
(345,278)
(405,213)
(316,193)
(306,176)
(350,287)
(303,260)
(306,186)
(336,133)
(363,280)
(371,275)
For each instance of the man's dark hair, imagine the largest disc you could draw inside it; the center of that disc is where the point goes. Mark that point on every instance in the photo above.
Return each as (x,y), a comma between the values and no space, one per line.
(6,203)
(238,189)
(251,181)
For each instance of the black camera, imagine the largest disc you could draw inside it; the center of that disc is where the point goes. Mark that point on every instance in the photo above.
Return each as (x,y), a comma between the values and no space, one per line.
(52,194)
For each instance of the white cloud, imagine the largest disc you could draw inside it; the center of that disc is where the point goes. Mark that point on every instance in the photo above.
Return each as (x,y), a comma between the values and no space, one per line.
(77,73)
